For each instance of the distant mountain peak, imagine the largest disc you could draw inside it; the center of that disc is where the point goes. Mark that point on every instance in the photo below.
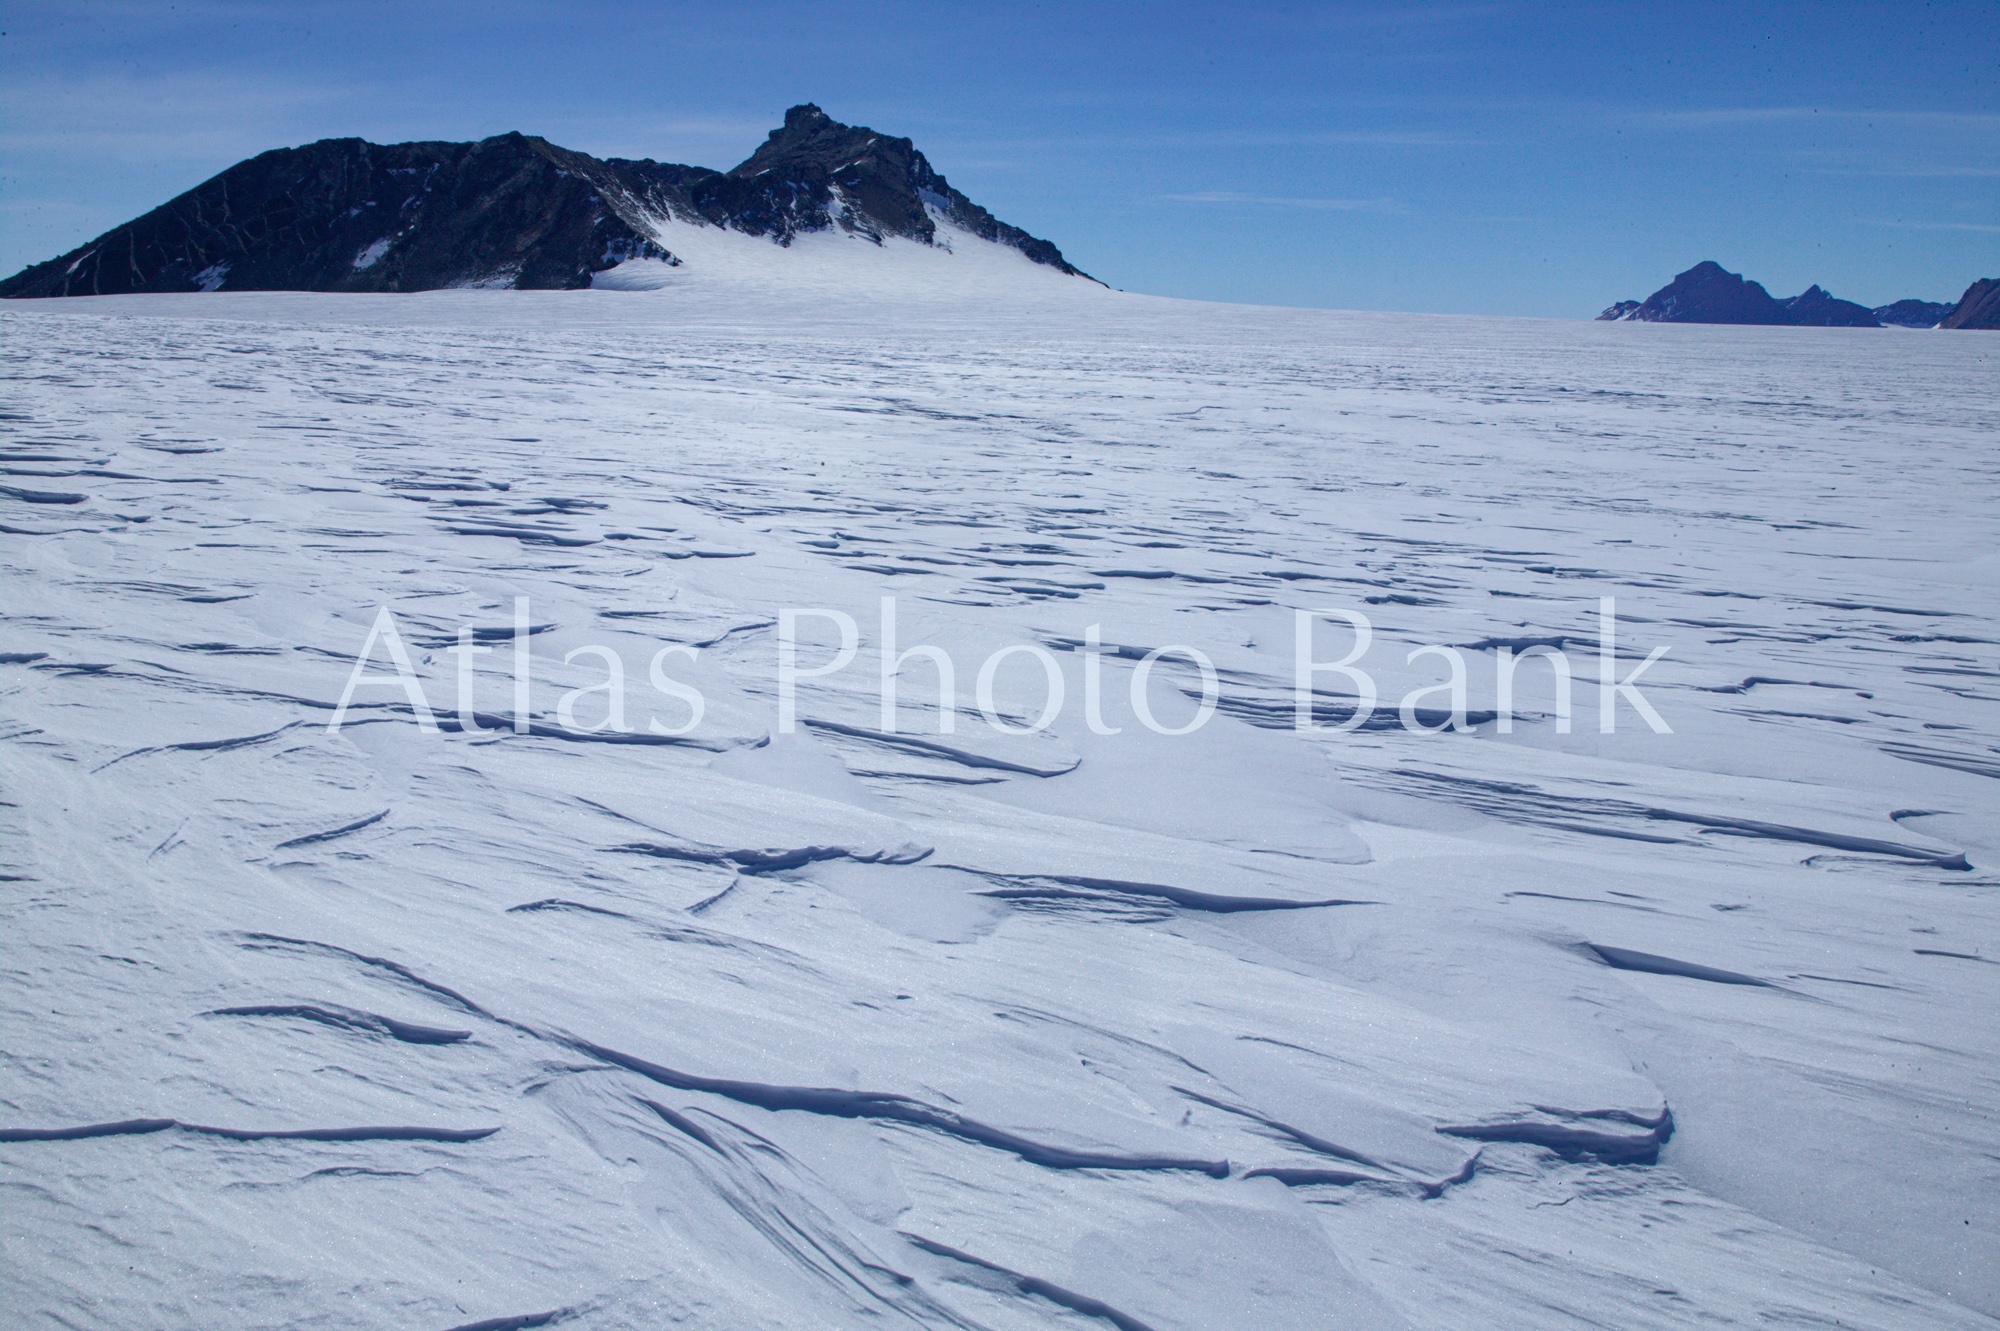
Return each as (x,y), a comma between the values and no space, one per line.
(1979,307)
(1708,293)
(1912,313)
(516,211)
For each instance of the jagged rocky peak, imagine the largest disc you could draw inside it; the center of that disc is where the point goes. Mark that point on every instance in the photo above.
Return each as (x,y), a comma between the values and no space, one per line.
(1708,293)
(512,211)
(857,179)
(1711,294)
(1979,307)
(812,138)
(813,171)
(1816,307)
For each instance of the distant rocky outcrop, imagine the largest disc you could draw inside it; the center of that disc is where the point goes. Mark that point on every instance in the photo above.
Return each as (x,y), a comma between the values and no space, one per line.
(510,211)
(1979,307)
(1709,294)
(1912,313)
(1815,307)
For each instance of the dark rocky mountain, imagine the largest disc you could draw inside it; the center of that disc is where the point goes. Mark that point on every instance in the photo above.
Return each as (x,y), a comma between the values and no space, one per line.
(1912,313)
(1709,294)
(510,211)
(1704,294)
(1815,307)
(882,186)
(1979,307)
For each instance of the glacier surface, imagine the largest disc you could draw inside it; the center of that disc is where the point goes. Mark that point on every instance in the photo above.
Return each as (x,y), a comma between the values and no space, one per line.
(1242,1028)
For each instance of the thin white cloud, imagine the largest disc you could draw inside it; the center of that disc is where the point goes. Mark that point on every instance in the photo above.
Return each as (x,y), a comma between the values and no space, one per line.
(937,146)
(1941,226)
(216,117)
(1729,117)
(1919,172)
(179,117)
(183,15)
(1395,138)
(1400,16)
(715,142)
(39,205)
(1277,201)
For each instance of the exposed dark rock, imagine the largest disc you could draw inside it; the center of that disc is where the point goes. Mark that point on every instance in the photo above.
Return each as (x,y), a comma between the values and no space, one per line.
(1704,294)
(1709,294)
(867,183)
(1979,307)
(511,211)
(1913,313)
(1815,308)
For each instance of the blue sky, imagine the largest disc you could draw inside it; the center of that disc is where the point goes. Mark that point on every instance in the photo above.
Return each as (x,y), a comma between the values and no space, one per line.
(1536,159)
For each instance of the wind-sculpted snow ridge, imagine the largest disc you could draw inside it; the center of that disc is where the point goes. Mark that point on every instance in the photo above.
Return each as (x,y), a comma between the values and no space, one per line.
(771,860)
(1060,887)
(348,1019)
(1035,1285)
(517,1322)
(836,1103)
(708,1022)
(139,1127)
(1625,960)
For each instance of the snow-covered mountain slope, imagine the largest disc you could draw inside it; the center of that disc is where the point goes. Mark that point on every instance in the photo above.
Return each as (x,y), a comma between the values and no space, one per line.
(839,266)
(1242,1028)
